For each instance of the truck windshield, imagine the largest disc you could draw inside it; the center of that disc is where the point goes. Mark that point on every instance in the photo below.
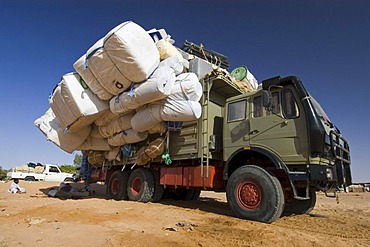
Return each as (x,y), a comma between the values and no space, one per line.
(321,112)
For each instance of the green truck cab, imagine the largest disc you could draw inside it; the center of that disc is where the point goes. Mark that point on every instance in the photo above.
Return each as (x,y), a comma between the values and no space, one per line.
(284,131)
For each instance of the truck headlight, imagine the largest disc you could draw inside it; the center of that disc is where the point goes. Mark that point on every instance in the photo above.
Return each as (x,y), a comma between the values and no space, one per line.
(329,174)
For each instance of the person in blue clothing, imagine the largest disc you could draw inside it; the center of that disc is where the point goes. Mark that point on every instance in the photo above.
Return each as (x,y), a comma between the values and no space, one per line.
(85,172)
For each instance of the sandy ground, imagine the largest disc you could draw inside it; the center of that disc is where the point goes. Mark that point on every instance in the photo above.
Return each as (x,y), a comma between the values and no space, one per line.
(34,219)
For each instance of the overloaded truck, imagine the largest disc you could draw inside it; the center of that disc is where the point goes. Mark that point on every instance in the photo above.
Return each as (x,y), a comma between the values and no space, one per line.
(158,120)
(271,150)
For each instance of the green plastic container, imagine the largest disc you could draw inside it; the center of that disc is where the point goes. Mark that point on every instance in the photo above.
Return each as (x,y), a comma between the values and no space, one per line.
(239,73)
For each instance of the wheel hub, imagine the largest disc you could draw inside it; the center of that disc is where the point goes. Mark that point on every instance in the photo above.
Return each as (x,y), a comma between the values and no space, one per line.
(249,195)
(115,186)
(136,186)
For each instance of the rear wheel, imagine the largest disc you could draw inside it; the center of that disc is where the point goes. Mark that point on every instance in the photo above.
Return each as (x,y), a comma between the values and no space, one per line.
(117,185)
(158,188)
(196,194)
(141,185)
(29,179)
(186,194)
(253,194)
(301,206)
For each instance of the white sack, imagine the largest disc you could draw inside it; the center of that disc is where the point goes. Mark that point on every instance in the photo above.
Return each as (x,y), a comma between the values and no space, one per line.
(106,118)
(174,110)
(96,144)
(166,49)
(116,125)
(158,128)
(95,132)
(75,106)
(51,128)
(95,141)
(132,50)
(105,71)
(113,154)
(186,87)
(157,87)
(90,79)
(147,117)
(252,80)
(127,137)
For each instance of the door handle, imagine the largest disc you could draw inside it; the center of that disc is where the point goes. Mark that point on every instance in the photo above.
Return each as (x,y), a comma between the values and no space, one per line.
(253,132)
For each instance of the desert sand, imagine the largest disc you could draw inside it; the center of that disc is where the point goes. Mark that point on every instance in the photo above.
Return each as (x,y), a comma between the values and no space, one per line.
(34,219)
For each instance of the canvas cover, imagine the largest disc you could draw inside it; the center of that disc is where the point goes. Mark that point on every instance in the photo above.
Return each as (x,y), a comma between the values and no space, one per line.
(74,105)
(50,127)
(132,50)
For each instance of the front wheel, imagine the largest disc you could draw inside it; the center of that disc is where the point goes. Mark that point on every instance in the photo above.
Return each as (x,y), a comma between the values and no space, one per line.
(69,180)
(253,194)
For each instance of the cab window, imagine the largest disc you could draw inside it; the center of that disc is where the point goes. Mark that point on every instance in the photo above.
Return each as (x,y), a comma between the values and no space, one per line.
(236,111)
(53,169)
(289,104)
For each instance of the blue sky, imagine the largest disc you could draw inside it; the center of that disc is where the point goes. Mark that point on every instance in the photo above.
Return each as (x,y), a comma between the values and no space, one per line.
(325,43)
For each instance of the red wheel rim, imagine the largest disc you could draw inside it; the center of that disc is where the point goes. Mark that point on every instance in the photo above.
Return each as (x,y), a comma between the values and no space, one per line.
(249,195)
(136,186)
(115,186)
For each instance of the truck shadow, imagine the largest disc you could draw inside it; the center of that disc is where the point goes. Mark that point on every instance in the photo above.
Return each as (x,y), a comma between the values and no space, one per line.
(204,203)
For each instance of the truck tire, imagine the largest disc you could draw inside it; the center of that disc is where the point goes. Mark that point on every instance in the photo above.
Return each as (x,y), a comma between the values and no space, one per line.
(69,180)
(186,194)
(29,179)
(158,188)
(253,194)
(117,186)
(196,194)
(140,185)
(301,206)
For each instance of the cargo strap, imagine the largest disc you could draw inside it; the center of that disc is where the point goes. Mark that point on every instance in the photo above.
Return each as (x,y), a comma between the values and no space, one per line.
(90,55)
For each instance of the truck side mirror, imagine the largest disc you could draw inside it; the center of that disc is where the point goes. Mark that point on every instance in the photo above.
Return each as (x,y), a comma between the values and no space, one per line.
(266,99)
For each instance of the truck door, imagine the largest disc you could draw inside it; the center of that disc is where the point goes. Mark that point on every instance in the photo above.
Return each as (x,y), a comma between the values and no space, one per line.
(236,127)
(53,174)
(282,130)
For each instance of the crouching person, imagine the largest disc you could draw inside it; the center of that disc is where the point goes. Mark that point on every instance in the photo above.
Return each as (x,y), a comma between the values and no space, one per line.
(14,187)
